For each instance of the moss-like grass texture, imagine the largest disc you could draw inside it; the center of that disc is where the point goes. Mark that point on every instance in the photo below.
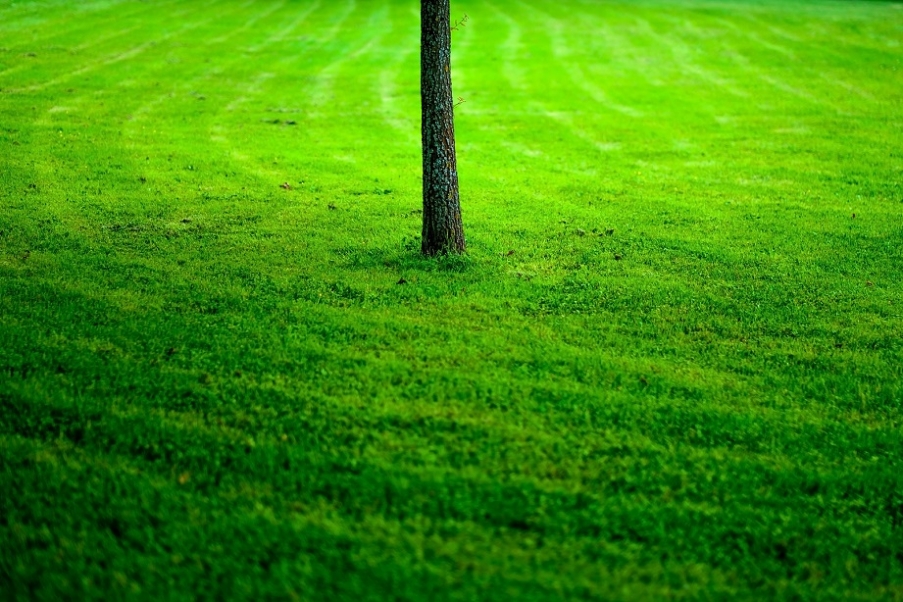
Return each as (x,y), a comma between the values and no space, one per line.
(670,366)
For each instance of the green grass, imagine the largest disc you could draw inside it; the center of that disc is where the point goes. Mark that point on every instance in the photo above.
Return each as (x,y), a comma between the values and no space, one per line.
(670,366)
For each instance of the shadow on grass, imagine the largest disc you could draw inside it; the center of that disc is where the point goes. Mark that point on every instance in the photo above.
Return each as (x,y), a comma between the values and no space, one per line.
(406,257)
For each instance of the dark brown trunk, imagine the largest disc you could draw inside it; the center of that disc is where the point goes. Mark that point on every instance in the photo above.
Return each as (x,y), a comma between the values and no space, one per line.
(442,228)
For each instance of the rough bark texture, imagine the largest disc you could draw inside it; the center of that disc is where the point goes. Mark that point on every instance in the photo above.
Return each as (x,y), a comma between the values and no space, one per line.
(442,228)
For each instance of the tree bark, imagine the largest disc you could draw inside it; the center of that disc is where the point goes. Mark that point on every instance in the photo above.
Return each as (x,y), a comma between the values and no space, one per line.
(442,228)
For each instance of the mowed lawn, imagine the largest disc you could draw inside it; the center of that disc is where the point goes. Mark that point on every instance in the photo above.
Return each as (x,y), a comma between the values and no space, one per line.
(669,366)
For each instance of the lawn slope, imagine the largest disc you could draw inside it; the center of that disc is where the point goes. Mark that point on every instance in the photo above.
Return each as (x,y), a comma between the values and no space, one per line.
(670,366)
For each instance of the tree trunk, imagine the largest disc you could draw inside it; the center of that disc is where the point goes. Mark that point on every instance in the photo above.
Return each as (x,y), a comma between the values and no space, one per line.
(442,228)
